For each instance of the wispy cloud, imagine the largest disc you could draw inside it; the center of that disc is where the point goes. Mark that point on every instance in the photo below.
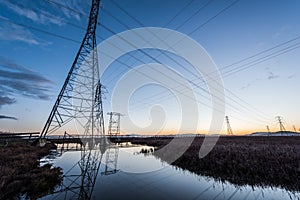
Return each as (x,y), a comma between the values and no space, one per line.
(7,117)
(280,32)
(250,84)
(19,80)
(272,76)
(4,100)
(77,8)
(11,65)
(12,32)
(291,76)
(21,75)
(41,17)
(26,88)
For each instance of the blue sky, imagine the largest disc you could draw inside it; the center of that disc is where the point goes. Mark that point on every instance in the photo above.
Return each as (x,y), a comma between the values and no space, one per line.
(39,40)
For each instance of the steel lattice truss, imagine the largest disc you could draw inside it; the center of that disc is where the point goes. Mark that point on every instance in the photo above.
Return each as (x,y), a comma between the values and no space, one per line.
(80,179)
(114,123)
(80,98)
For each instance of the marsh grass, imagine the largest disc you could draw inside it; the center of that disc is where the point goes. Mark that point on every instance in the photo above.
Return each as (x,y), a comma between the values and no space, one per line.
(256,161)
(21,174)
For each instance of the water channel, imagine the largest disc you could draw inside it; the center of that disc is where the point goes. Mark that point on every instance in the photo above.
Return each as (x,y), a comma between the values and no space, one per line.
(122,172)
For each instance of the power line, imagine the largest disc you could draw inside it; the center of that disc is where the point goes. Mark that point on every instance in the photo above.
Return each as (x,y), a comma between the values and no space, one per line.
(40,30)
(260,60)
(215,16)
(162,40)
(66,7)
(194,14)
(66,38)
(268,57)
(137,21)
(51,16)
(120,21)
(259,53)
(178,13)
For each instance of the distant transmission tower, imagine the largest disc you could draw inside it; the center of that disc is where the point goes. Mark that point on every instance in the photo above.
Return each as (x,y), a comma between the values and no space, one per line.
(268,129)
(80,97)
(294,127)
(279,118)
(229,130)
(114,123)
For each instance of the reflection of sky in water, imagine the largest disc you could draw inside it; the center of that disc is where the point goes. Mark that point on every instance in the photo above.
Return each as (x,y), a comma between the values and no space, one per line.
(154,179)
(128,162)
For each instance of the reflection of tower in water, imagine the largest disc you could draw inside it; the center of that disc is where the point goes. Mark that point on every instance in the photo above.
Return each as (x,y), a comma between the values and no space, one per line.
(112,151)
(111,160)
(89,164)
(80,179)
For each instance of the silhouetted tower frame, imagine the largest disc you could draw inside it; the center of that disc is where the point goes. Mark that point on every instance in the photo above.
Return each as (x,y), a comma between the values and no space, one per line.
(80,98)
(114,123)
(281,126)
(229,130)
(268,129)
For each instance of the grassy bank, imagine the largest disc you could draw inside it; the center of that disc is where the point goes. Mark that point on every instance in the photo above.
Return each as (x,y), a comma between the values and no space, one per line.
(20,173)
(263,161)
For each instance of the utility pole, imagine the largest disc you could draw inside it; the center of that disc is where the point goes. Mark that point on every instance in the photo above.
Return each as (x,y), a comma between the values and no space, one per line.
(279,119)
(229,130)
(294,128)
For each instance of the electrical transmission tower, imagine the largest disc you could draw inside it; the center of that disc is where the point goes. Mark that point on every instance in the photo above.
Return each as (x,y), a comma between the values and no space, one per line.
(114,123)
(294,127)
(229,130)
(279,118)
(268,129)
(112,151)
(80,98)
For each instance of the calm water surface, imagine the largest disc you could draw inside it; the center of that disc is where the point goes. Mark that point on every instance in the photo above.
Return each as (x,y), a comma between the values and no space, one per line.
(124,173)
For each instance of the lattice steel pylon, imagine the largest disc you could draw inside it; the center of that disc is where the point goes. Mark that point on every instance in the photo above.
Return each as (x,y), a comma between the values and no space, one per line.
(279,118)
(229,130)
(114,123)
(80,98)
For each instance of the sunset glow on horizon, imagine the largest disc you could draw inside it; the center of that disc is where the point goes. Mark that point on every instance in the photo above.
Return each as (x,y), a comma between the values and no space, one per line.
(254,45)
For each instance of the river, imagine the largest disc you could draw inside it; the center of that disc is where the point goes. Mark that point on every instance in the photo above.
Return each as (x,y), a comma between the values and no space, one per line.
(125,173)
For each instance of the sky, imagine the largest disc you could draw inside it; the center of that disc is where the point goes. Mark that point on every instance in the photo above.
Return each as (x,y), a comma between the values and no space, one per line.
(254,44)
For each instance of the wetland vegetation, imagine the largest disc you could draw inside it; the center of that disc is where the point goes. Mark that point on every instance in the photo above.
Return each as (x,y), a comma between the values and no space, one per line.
(21,173)
(241,160)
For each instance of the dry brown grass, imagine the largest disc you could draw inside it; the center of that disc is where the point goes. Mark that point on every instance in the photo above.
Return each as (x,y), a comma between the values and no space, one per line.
(263,161)
(20,172)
